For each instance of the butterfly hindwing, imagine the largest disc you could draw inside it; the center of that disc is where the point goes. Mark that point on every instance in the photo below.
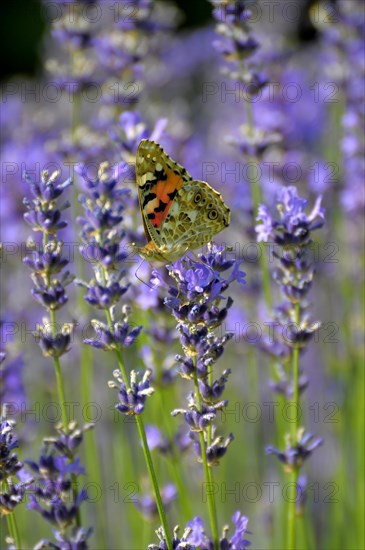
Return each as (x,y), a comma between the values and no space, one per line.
(197,214)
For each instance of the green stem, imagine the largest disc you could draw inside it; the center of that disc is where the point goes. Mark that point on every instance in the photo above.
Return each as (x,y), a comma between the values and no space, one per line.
(76,103)
(175,458)
(292,510)
(207,474)
(147,454)
(294,441)
(92,452)
(12,523)
(61,393)
(146,450)
(359,415)
(61,388)
(59,377)
(56,361)
(16,532)
(153,477)
(75,114)
(210,470)
(65,419)
(249,115)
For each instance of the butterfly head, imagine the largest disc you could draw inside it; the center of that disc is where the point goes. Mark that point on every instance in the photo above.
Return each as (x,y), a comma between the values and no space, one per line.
(160,256)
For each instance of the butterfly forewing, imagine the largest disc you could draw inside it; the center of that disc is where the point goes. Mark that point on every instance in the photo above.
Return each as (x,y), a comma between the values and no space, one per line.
(159,178)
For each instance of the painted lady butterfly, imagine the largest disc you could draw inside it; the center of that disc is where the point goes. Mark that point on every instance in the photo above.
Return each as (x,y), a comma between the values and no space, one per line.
(178,213)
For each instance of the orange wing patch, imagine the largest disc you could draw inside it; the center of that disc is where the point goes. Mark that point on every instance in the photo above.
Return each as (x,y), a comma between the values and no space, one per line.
(160,198)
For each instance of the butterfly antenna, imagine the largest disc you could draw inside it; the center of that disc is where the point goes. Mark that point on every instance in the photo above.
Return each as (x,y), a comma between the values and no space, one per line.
(135,273)
(141,280)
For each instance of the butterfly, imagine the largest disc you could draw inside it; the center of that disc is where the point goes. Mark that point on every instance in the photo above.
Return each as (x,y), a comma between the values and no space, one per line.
(178,212)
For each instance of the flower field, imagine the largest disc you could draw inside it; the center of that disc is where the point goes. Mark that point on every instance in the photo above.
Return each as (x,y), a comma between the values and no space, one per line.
(182,276)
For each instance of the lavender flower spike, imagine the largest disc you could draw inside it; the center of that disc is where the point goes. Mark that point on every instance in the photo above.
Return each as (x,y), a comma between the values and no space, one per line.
(132,400)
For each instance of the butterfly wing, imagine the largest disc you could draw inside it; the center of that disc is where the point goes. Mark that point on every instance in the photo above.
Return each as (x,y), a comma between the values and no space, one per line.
(179,213)
(159,178)
(196,215)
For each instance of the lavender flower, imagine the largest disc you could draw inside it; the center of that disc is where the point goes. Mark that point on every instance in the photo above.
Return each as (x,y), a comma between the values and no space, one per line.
(103,205)
(178,543)
(302,489)
(156,440)
(294,456)
(10,465)
(51,344)
(12,492)
(129,132)
(53,492)
(121,336)
(237,44)
(43,215)
(178,444)
(46,260)
(194,536)
(197,303)
(58,465)
(199,307)
(111,60)
(147,504)
(78,540)
(12,389)
(284,385)
(197,535)
(291,237)
(344,42)
(10,498)
(103,241)
(291,234)
(197,419)
(293,226)
(240,522)
(238,47)
(216,448)
(132,399)
(73,30)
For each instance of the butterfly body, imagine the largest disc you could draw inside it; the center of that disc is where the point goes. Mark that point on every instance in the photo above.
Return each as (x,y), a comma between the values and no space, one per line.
(178,212)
